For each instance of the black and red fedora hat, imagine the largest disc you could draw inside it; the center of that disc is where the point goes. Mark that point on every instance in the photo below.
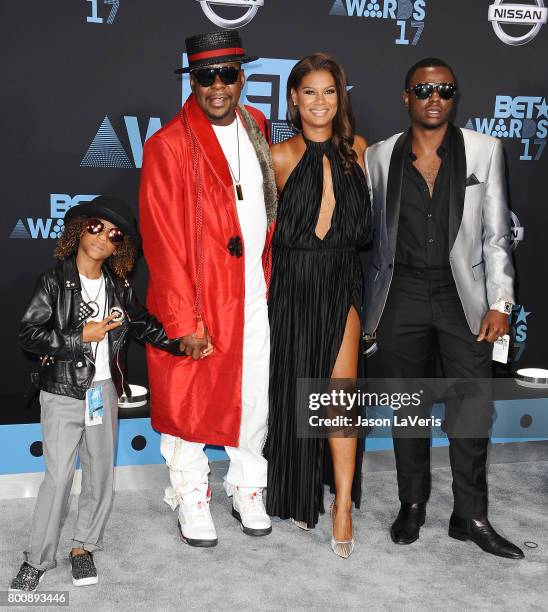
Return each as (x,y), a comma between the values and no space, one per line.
(214,48)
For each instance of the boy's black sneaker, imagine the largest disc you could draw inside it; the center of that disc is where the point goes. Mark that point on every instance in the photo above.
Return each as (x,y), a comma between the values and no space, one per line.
(27,580)
(84,571)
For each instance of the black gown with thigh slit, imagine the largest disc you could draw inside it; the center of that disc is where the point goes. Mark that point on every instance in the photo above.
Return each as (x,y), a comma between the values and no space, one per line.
(314,284)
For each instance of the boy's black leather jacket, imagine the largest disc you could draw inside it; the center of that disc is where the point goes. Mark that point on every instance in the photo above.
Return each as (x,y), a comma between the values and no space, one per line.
(52,327)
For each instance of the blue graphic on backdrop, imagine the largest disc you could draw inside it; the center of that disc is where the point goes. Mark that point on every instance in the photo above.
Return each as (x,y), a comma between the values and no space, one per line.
(113,11)
(409,15)
(518,331)
(521,117)
(52,226)
(106,149)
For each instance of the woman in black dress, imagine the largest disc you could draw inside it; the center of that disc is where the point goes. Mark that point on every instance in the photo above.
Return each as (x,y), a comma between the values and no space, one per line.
(316,294)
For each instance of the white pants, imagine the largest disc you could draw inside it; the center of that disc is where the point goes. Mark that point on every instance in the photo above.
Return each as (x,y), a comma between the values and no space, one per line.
(187,462)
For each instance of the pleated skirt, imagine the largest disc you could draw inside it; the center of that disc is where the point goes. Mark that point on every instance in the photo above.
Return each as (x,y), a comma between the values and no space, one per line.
(311,293)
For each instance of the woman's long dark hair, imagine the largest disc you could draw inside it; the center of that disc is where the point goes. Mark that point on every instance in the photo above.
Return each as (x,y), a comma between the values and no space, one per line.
(343,122)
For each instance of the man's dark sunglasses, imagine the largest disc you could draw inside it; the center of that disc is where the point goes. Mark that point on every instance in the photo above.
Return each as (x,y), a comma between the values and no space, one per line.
(206,76)
(96,227)
(423,91)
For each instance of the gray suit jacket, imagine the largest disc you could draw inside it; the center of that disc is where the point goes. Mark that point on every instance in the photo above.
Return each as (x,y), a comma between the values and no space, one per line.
(479,224)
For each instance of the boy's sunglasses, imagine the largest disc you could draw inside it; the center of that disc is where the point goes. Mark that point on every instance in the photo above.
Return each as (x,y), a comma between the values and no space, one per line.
(96,227)
(424,90)
(206,76)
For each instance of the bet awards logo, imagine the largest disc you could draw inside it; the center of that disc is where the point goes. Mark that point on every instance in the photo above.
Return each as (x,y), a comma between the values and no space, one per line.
(518,232)
(518,331)
(531,15)
(52,226)
(265,86)
(94,17)
(251,8)
(524,118)
(106,149)
(408,14)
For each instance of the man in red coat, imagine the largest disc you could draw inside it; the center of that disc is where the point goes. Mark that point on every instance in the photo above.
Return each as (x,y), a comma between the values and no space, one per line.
(207,209)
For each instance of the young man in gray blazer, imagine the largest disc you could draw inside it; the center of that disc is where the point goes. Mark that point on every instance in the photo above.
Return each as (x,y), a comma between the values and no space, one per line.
(441,282)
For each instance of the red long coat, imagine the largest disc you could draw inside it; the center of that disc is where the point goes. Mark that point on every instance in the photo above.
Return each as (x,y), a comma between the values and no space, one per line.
(199,401)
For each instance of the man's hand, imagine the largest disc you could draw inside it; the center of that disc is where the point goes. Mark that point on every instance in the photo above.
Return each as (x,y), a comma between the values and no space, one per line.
(95,331)
(196,347)
(494,325)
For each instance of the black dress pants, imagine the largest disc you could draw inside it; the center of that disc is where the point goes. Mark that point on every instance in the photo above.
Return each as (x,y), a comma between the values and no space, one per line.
(423,318)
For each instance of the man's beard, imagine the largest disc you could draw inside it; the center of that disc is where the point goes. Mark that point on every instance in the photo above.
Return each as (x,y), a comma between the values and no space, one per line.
(214,118)
(432,126)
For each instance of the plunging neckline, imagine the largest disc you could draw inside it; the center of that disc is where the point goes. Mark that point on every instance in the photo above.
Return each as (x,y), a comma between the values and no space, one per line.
(335,204)
(316,147)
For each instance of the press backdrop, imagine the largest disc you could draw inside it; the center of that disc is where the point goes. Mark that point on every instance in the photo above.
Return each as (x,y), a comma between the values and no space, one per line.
(85,82)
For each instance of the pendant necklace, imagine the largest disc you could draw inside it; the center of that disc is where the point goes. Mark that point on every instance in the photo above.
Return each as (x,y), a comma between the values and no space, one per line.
(93,304)
(239,191)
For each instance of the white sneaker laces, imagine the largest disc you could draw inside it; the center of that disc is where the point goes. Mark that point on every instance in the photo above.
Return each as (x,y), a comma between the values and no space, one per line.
(198,511)
(253,500)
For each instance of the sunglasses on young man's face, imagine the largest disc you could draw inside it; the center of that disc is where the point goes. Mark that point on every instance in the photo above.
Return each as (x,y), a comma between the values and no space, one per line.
(206,76)
(423,91)
(96,227)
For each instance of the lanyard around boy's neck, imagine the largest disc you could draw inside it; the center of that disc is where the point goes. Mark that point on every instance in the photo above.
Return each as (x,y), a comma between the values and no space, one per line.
(102,317)
(94,305)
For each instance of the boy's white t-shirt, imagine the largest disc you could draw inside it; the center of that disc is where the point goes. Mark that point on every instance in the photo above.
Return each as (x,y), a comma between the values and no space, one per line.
(102,361)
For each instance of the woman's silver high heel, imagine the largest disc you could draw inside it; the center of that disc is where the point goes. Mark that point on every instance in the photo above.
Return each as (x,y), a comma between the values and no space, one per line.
(301,524)
(343,549)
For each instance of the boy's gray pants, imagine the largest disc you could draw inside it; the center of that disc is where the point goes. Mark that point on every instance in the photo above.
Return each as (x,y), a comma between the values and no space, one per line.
(63,435)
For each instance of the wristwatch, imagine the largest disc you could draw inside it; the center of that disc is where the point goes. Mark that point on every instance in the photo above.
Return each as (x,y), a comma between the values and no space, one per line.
(504,306)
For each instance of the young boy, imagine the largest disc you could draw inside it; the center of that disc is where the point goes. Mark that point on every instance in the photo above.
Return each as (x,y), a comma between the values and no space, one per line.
(78,320)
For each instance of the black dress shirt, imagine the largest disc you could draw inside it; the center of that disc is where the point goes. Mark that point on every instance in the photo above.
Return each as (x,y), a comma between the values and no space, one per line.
(423,229)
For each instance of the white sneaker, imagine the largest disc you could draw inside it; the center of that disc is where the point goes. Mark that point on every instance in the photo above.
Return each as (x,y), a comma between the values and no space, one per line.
(248,508)
(195,523)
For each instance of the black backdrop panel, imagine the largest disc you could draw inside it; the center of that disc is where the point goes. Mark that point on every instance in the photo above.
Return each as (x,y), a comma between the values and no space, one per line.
(85,81)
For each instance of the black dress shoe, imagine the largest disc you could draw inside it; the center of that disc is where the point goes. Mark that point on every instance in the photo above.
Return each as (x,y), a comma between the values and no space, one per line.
(406,527)
(481,532)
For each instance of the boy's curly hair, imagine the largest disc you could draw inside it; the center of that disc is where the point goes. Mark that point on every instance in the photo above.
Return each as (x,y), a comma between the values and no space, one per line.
(121,264)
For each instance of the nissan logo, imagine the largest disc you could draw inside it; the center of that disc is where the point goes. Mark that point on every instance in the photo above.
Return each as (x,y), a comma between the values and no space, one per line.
(534,15)
(251,6)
